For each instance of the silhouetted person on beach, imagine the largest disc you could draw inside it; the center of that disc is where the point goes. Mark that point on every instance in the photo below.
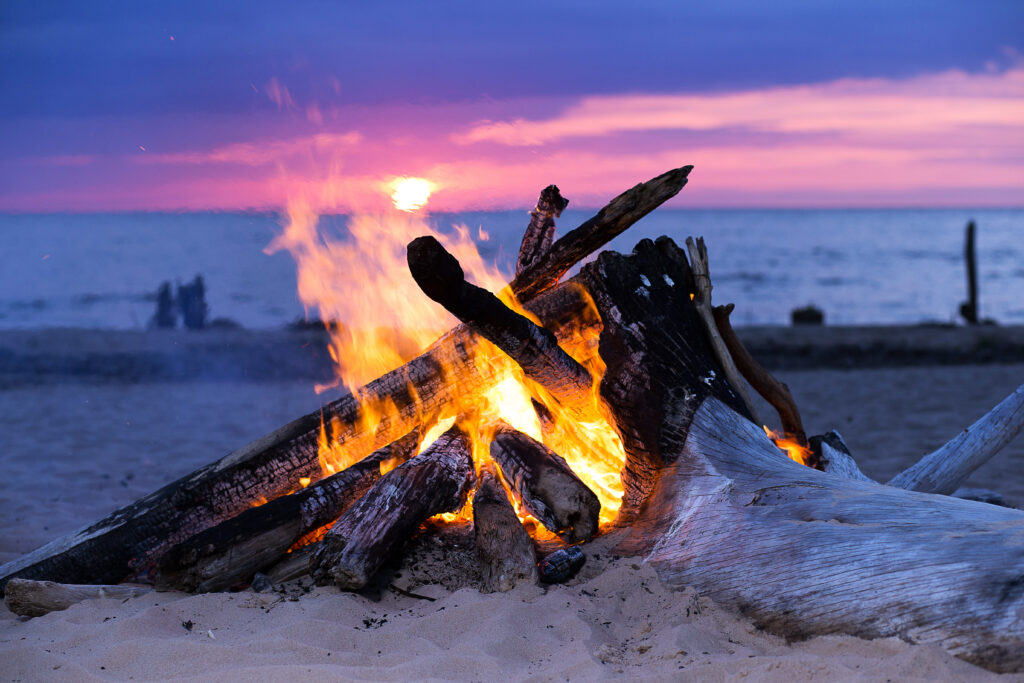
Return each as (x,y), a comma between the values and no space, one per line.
(165,311)
(192,302)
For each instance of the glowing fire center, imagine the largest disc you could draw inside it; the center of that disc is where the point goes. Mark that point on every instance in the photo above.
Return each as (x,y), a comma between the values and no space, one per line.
(411,194)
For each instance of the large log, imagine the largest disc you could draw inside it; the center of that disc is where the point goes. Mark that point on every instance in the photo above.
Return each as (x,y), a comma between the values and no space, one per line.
(541,229)
(503,547)
(802,552)
(545,485)
(28,598)
(130,539)
(369,532)
(231,552)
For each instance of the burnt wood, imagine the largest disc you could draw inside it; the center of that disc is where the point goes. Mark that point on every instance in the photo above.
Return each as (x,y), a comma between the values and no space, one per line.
(504,550)
(534,348)
(545,485)
(541,229)
(231,552)
(371,531)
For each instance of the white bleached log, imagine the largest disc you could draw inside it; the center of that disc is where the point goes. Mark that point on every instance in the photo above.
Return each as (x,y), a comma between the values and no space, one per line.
(944,470)
(29,598)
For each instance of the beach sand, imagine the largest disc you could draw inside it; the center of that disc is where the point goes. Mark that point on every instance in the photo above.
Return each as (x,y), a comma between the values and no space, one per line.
(81,440)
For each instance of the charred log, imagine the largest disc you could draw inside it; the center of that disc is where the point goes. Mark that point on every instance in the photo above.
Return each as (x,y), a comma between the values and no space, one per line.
(504,550)
(369,532)
(541,230)
(546,486)
(534,348)
(231,552)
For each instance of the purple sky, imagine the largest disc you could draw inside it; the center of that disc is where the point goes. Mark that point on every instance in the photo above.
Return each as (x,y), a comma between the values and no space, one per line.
(775,103)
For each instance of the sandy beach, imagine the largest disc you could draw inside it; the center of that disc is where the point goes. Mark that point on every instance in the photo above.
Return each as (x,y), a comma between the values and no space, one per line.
(90,421)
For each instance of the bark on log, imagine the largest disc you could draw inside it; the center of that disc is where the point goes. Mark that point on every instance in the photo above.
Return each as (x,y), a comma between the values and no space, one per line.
(801,551)
(504,550)
(370,531)
(534,348)
(541,230)
(231,552)
(546,486)
(29,598)
(130,539)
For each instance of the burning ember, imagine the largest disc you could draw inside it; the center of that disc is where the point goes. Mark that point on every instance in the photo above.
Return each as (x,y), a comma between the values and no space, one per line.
(382,323)
(791,447)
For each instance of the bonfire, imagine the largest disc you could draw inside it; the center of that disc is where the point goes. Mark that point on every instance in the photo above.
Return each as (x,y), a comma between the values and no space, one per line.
(612,403)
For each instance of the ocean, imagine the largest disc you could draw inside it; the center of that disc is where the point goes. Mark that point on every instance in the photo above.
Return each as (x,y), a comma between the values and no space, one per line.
(859,266)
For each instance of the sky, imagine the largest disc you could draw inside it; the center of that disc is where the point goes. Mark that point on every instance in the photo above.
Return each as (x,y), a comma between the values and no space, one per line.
(202,105)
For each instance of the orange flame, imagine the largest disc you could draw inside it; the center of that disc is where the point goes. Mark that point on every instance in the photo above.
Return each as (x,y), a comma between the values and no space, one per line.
(794,449)
(378,319)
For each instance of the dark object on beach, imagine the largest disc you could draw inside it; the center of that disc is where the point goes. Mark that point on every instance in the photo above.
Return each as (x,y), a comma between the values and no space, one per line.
(192,302)
(164,318)
(969,308)
(561,565)
(808,315)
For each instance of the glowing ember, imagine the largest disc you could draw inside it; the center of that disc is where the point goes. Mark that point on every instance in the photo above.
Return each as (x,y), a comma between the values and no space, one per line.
(794,450)
(411,194)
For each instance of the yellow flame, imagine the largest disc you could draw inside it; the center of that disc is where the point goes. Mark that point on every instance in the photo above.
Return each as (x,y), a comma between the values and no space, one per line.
(378,319)
(792,448)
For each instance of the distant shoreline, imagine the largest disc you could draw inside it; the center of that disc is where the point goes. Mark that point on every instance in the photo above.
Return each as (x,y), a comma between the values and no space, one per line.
(62,355)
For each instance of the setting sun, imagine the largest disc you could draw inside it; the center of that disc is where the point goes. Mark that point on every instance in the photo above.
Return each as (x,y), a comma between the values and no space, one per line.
(411,194)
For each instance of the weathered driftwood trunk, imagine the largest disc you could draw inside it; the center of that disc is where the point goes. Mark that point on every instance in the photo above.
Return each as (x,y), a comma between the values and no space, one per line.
(130,539)
(503,547)
(546,486)
(29,598)
(369,532)
(715,505)
(231,552)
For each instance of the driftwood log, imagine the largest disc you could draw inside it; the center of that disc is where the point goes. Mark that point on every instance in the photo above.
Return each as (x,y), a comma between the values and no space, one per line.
(503,547)
(231,552)
(541,230)
(370,532)
(129,540)
(546,486)
(28,598)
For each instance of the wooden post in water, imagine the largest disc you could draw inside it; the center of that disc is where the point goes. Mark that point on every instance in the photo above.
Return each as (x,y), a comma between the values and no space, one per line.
(969,308)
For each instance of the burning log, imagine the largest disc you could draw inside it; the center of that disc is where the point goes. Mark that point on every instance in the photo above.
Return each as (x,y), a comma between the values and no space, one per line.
(541,230)
(545,485)
(29,598)
(231,552)
(370,531)
(534,348)
(127,541)
(503,547)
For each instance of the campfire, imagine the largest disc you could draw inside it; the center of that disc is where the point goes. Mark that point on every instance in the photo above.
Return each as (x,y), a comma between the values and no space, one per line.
(614,402)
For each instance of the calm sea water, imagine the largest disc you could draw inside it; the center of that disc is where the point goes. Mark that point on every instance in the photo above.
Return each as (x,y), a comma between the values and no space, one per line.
(860,266)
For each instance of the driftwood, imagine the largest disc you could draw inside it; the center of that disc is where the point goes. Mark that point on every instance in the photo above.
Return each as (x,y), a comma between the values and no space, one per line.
(545,485)
(801,551)
(541,229)
(772,390)
(504,550)
(29,598)
(129,540)
(231,552)
(369,532)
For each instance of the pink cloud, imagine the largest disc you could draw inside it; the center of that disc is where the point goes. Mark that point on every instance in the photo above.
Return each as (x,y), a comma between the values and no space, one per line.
(263,152)
(937,103)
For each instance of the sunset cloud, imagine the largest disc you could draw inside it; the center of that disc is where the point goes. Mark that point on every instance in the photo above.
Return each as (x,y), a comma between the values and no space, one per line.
(934,104)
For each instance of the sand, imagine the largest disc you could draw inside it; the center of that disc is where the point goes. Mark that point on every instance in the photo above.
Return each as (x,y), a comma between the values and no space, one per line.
(83,442)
